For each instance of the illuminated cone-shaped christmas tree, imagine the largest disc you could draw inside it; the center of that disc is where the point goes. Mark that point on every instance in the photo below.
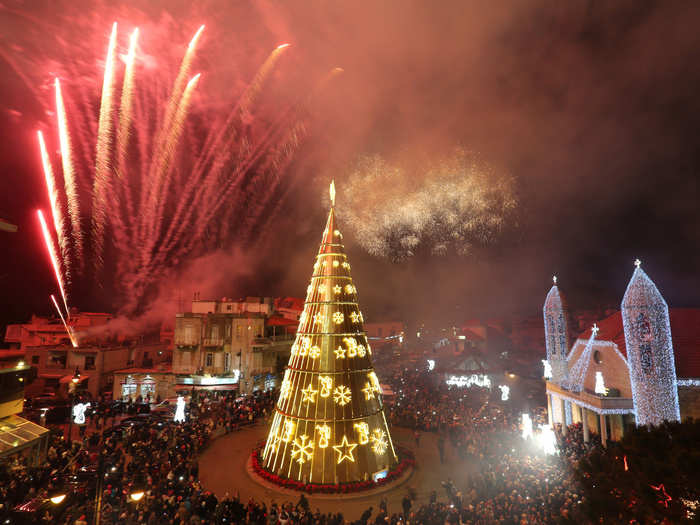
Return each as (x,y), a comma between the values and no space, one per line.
(329,425)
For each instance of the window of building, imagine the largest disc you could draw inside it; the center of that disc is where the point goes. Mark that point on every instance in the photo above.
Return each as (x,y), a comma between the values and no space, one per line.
(35,359)
(239,330)
(227,361)
(89,362)
(189,337)
(228,330)
(128,389)
(229,307)
(210,359)
(148,387)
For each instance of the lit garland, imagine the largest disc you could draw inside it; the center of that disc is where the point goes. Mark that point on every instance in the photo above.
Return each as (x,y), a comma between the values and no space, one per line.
(330,397)
(556,333)
(688,382)
(480,380)
(577,373)
(649,351)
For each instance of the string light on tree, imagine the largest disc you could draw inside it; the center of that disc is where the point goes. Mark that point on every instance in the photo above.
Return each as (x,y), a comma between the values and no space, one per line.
(362,432)
(344,450)
(342,395)
(324,435)
(379,442)
(329,362)
(302,449)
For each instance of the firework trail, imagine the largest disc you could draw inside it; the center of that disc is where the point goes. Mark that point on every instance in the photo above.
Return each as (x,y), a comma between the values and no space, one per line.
(169,182)
(104,144)
(56,211)
(69,177)
(457,203)
(54,258)
(65,325)
(125,105)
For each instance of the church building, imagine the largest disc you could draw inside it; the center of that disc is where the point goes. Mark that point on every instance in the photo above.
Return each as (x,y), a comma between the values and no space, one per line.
(638,366)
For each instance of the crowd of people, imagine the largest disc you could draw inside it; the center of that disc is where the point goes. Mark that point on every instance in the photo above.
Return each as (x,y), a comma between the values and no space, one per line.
(509,481)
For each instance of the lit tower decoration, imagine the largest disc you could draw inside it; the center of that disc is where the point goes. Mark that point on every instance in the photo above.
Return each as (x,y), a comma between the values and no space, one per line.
(649,351)
(556,333)
(329,424)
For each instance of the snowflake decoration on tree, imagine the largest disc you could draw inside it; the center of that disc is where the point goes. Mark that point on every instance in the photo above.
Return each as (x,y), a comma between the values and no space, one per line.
(346,265)
(342,395)
(337,289)
(336,264)
(319,318)
(302,450)
(379,442)
(338,317)
(354,317)
(361,350)
(349,288)
(314,352)
(368,391)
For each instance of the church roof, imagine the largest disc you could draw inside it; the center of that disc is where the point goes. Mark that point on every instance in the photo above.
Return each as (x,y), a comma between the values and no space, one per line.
(685,334)
(555,299)
(641,290)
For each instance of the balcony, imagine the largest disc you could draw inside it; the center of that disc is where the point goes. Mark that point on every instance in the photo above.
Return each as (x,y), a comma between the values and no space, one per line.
(183,341)
(213,341)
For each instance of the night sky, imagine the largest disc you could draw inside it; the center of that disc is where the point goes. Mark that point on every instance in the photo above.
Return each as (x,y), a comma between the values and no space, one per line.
(591,107)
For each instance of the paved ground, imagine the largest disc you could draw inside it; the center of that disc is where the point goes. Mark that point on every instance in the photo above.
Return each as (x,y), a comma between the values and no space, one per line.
(222,470)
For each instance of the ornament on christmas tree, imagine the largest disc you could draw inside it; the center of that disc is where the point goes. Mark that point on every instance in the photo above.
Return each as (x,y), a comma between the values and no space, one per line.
(329,425)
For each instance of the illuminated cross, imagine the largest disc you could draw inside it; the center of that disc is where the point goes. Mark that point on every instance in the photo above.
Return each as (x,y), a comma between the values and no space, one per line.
(637,263)
(554,278)
(595,329)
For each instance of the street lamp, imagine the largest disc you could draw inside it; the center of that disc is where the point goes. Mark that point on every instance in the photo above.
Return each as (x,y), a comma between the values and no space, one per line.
(138,489)
(57,494)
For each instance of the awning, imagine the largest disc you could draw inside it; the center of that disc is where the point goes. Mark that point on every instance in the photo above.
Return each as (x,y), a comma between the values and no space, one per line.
(17,433)
(185,388)
(68,379)
(50,376)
